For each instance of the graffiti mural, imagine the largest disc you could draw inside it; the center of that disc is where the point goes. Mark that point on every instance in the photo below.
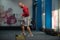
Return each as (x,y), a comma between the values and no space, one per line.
(10,12)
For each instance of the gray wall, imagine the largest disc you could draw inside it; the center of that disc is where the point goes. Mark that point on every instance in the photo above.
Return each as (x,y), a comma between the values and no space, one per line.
(59,14)
(55,15)
(14,5)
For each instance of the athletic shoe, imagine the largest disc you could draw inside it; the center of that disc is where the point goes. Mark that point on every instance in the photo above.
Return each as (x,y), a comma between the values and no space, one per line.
(30,35)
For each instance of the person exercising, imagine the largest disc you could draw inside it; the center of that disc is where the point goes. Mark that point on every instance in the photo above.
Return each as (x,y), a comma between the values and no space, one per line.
(25,17)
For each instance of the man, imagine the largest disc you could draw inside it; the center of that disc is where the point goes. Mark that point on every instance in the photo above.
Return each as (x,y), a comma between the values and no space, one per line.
(25,16)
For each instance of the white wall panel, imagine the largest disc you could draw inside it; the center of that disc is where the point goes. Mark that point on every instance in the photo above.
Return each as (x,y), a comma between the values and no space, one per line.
(55,15)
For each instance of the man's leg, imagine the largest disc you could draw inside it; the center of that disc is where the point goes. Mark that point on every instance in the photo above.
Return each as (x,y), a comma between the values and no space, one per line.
(28,28)
(23,30)
(22,24)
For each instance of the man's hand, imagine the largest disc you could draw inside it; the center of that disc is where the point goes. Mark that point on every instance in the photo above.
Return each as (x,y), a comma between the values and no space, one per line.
(20,14)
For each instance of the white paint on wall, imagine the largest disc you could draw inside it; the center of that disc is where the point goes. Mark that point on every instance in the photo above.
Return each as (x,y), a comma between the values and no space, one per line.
(43,13)
(43,20)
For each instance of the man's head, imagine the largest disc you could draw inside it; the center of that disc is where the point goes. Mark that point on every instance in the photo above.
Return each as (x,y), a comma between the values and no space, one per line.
(21,4)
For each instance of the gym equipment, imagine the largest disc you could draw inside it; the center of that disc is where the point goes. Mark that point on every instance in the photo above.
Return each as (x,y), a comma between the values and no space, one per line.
(48,14)
(37,14)
(20,37)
